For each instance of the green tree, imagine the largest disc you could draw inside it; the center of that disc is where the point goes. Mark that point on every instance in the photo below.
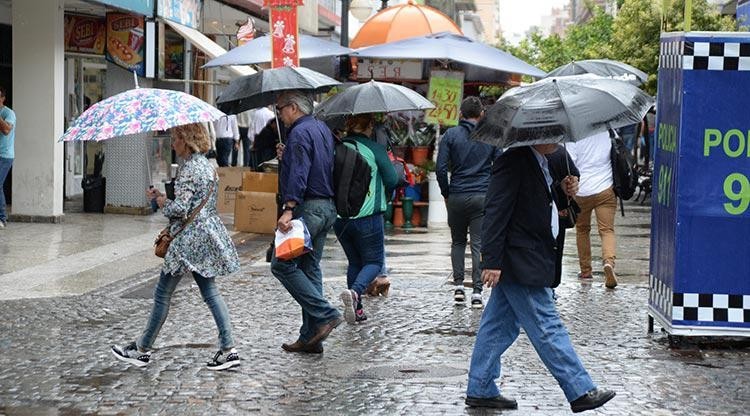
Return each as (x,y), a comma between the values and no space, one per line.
(589,40)
(637,31)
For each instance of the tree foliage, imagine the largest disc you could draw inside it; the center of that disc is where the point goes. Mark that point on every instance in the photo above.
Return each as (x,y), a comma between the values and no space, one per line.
(631,37)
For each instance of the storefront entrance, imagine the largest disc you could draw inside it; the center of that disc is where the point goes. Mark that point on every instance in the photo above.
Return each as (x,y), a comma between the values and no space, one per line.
(84,87)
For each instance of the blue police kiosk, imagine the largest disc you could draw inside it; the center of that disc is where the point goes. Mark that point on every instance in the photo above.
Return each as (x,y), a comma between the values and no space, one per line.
(699,279)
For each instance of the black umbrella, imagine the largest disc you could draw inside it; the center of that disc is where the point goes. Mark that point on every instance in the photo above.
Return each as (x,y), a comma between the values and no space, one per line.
(372,97)
(262,89)
(564,109)
(604,68)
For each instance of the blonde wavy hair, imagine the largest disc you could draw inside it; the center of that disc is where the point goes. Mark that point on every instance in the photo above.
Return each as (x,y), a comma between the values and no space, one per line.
(194,135)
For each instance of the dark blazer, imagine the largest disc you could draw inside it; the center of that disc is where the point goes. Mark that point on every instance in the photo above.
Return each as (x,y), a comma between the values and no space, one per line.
(559,168)
(517,238)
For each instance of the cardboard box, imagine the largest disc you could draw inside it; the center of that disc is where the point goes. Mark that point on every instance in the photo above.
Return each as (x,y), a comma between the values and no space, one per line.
(255,212)
(230,181)
(260,182)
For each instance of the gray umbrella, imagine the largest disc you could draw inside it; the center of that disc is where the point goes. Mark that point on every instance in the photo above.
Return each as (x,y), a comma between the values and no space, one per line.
(564,109)
(372,97)
(262,89)
(604,68)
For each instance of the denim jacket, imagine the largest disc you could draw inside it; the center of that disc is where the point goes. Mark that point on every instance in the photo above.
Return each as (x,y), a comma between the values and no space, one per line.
(204,245)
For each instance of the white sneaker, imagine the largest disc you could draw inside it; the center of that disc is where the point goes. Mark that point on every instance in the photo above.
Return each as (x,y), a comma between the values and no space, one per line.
(476,301)
(2,224)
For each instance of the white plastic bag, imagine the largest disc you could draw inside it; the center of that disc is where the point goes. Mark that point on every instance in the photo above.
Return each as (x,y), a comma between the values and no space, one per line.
(293,243)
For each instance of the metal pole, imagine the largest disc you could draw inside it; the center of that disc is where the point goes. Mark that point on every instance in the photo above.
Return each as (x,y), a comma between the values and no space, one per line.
(345,22)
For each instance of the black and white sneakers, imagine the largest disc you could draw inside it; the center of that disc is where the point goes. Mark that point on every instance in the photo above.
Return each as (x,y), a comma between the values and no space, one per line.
(459,295)
(223,360)
(476,301)
(131,355)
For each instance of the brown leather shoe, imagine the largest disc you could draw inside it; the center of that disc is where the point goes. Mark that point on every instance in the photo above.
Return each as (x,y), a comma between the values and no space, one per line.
(379,286)
(324,330)
(299,346)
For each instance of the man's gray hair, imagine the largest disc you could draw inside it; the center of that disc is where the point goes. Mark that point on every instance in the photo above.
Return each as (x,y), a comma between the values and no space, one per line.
(303,101)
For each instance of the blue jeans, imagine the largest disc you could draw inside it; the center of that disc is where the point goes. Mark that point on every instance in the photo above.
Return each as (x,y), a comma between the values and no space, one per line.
(302,276)
(513,306)
(362,240)
(5,165)
(162,297)
(224,148)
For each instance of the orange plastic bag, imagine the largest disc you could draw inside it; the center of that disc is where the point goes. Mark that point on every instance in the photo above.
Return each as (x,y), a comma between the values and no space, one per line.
(293,243)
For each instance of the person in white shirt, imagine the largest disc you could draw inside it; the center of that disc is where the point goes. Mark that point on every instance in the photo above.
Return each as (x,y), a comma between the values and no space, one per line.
(595,193)
(227,138)
(243,123)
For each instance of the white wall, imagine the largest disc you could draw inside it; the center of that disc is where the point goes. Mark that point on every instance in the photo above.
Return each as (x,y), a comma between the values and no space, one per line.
(38,100)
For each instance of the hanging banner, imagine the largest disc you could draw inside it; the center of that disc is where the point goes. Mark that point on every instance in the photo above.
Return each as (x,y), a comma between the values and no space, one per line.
(125,41)
(284,32)
(446,92)
(84,34)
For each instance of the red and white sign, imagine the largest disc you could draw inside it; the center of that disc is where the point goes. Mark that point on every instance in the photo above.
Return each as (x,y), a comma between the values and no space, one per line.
(284,32)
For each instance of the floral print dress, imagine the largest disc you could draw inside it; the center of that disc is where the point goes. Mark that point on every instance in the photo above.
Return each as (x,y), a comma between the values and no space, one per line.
(204,245)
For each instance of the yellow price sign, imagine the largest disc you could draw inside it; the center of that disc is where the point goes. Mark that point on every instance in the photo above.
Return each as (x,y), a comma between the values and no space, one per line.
(446,92)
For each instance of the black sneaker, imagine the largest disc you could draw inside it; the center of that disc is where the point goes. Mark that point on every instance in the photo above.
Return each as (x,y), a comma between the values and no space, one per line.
(459,295)
(223,360)
(131,355)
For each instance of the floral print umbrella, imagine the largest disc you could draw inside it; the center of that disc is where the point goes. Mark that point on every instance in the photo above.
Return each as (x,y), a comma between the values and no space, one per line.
(139,110)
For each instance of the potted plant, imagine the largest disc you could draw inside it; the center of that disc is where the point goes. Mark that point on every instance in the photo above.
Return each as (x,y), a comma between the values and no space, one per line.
(422,138)
(399,132)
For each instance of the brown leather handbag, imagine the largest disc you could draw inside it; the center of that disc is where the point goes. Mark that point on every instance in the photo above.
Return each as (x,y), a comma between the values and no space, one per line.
(164,239)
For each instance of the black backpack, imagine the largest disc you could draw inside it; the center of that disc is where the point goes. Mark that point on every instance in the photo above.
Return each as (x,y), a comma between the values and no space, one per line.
(624,175)
(351,178)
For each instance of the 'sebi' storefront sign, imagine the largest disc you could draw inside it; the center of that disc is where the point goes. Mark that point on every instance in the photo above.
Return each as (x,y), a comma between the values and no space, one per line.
(284,32)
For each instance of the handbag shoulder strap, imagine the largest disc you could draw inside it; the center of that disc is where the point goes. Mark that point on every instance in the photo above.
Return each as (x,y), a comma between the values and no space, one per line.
(199,208)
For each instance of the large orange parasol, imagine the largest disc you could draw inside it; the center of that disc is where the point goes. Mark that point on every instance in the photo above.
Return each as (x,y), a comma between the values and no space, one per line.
(403,21)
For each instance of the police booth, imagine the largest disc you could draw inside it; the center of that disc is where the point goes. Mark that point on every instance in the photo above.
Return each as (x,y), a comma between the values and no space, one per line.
(699,279)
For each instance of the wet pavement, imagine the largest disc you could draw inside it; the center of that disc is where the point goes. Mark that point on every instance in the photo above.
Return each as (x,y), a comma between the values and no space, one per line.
(410,358)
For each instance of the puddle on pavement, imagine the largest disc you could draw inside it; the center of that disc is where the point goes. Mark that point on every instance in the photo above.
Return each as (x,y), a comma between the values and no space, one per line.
(402,372)
(37,411)
(447,331)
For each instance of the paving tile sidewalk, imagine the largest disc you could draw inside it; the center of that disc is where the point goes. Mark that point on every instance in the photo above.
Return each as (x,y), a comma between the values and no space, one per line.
(410,357)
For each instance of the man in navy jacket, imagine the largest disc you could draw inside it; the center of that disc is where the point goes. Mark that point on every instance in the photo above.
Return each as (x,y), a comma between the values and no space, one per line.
(519,255)
(470,164)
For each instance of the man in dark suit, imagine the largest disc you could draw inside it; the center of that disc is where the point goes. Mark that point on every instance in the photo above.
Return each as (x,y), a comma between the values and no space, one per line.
(519,256)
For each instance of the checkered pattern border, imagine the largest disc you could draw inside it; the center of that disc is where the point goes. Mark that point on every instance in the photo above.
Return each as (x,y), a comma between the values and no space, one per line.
(702,307)
(670,56)
(705,56)
(711,307)
(660,296)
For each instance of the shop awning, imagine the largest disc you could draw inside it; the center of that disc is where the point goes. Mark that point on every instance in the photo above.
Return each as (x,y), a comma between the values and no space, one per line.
(206,45)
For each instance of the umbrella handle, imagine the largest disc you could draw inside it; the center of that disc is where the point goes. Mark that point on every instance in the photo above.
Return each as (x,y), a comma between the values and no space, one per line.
(278,127)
